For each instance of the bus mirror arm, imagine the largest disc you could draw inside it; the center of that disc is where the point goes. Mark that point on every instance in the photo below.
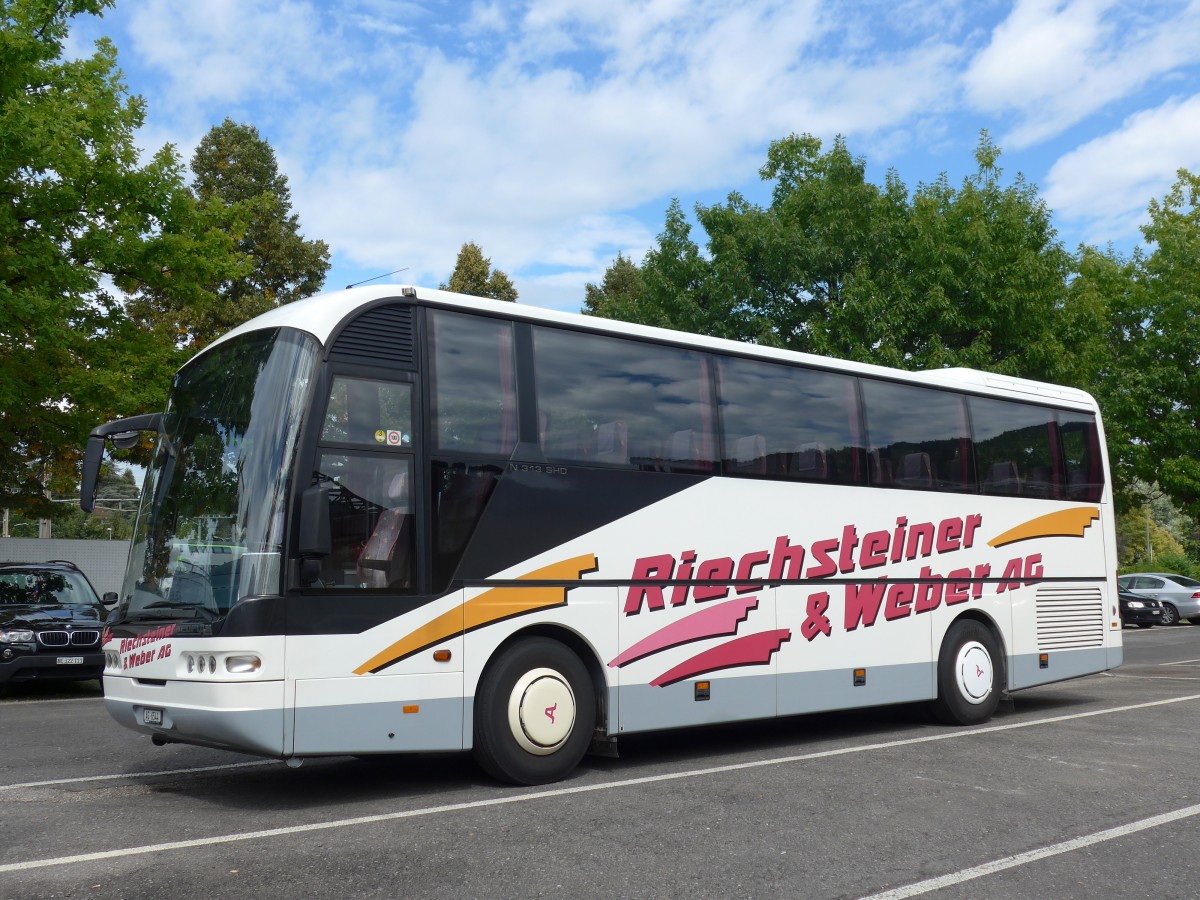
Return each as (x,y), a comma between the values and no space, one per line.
(124,433)
(315,541)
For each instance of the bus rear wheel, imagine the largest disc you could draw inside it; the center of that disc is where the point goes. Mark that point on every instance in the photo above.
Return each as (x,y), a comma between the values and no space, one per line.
(969,675)
(535,711)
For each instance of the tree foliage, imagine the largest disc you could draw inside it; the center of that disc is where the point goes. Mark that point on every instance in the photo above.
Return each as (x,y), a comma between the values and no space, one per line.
(473,275)
(967,276)
(78,215)
(1150,386)
(242,200)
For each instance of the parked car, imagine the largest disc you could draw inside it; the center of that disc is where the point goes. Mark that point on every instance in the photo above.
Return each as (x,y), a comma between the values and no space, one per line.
(1180,595)
(50,623)
(1138,610)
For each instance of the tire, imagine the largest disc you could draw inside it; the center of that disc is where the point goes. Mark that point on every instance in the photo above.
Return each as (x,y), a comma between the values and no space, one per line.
(1195,620)
(535,711)
(1170,615)
(969,675)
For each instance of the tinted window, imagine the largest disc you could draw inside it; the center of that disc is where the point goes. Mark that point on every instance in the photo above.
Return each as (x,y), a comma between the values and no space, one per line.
(370,520)
(1014,448)
(363,411)
(460,493)
(785,422)
(474,385)
(1081,450)
(42,586)
(918,438)
(620,402)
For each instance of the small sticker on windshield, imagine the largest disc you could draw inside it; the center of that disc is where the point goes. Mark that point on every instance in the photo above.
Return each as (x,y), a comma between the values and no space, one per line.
(392,438)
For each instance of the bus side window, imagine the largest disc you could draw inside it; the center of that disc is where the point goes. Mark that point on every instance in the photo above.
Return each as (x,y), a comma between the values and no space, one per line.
(460,495)
(1014,448)
(618,402)
(1081,452)
(473,385)
(805,420)
(919,437)
(370,521)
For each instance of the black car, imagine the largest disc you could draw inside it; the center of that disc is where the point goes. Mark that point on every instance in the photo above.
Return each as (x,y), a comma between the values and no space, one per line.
(50,623)
(1138,610)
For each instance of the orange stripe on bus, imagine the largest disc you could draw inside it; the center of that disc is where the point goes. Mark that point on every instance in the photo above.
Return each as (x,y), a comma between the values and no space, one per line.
(1065,523)
(490,606)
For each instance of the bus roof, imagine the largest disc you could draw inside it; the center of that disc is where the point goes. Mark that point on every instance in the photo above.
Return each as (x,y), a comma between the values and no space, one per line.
(321,314)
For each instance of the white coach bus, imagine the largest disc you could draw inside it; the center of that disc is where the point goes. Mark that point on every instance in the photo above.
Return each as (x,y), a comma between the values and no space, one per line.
(395,519)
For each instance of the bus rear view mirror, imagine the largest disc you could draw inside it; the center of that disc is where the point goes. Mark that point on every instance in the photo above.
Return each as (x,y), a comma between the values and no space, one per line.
(124,433)
(315,541)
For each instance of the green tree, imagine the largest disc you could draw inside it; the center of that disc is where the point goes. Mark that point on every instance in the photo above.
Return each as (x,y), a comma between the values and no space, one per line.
(1153,395)
(242,197)
(617,295)
(675,287)
(78,213)
(1146,373)
(967,276)
(473,275)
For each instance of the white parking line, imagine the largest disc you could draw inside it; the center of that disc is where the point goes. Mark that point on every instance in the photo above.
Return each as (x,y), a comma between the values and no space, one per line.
(1009,862)
(188,771)
(514,797)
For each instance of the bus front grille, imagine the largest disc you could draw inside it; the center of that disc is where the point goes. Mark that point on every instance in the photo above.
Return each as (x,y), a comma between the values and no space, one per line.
(1069,617)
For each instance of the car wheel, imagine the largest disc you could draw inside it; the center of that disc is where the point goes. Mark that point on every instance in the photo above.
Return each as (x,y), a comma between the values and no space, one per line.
(1170,615)
(1195,620)
(535,711)
(969,670)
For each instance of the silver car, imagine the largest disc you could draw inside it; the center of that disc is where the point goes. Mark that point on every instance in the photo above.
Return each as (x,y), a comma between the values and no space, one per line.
(1179,594)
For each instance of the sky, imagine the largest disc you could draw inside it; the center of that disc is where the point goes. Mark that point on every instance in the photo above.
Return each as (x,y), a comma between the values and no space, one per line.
(555,133)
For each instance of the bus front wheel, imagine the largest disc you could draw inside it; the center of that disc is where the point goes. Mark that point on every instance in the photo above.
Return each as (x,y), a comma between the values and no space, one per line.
(969,675)
(535,711)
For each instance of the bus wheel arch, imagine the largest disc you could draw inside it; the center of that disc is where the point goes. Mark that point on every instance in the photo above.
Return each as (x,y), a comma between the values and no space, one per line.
(535,709)
(971,672)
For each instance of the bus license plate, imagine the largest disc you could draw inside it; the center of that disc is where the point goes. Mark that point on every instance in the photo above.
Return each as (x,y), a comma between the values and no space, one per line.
(70,660)
(152,716)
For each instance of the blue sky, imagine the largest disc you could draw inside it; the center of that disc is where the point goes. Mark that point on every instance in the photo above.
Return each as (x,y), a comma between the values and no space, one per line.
(554,133)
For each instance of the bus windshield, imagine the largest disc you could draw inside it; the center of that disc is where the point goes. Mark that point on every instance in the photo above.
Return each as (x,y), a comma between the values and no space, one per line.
(210,524)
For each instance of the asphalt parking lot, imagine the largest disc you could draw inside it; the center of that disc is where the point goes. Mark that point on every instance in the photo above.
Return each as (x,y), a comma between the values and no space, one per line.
(1082,789)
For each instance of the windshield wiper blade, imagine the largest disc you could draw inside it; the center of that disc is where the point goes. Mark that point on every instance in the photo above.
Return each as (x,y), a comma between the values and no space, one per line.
(183,607)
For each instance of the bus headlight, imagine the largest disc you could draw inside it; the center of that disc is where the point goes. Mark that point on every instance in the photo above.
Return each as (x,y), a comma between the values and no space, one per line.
(242,665)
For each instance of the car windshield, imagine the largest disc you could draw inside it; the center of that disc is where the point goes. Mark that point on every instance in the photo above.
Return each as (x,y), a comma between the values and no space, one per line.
(44,587)
(210,523)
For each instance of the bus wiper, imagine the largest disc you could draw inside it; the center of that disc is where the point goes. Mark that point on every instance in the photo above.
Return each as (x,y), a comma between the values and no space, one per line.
(169,604)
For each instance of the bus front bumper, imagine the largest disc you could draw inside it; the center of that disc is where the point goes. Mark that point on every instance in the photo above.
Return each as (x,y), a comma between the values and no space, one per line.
(242,716)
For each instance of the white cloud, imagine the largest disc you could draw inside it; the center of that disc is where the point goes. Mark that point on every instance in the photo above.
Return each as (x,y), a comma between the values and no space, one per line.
(537,129)
(1107,183)
(1055,63)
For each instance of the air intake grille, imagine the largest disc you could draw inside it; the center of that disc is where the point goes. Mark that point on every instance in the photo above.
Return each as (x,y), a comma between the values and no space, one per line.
(1069,617)
(87,637)
(383,336)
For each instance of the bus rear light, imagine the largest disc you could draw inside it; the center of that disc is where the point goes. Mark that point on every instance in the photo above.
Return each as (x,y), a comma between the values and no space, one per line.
(1044,661)
(242,665)
(860,677)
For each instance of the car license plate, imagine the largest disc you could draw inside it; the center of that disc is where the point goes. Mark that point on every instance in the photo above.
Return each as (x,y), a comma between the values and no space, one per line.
(152,716)
(70,660)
